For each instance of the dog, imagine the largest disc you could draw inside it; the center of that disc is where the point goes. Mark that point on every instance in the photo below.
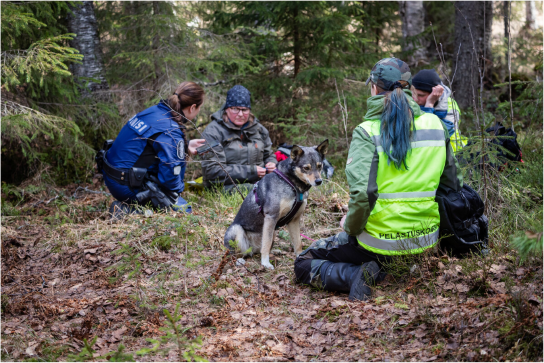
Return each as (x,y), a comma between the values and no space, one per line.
(274,200)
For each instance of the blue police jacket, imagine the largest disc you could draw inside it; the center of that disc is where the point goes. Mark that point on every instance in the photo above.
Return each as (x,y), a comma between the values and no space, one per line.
(169,146)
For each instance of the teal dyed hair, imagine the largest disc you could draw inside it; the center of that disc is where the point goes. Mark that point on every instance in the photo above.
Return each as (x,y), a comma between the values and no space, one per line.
(397,123)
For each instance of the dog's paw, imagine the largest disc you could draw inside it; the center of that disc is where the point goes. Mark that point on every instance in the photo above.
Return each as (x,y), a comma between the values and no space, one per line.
(267,265)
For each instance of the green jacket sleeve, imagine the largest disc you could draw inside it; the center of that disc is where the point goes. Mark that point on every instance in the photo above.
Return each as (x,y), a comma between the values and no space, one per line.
(361,170)
(451,177)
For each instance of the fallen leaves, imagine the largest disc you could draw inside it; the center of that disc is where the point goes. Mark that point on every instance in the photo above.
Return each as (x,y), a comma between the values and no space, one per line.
(31,349)
(428,317)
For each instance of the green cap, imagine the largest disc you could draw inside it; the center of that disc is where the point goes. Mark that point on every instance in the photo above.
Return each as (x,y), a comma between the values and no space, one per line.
(388,71)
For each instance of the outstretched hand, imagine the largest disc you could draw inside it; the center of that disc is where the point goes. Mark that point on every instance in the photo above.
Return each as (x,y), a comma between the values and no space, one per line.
(193,144)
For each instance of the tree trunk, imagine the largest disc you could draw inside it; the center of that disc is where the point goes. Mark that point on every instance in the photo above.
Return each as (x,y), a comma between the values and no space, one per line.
(296,40)
(155,46)
(506,15)
(530,11)
(412,15)
(473,20)
(82,22)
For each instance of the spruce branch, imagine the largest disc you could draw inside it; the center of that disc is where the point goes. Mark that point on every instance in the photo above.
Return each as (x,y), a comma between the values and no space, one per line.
(44,57)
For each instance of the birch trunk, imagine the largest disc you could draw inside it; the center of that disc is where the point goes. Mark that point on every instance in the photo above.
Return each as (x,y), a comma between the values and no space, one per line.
(82,22)
(530,11)
(412,14)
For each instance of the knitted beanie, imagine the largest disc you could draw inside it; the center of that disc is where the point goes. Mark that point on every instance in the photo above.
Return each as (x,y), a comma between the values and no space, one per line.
(238,96)
(425,80)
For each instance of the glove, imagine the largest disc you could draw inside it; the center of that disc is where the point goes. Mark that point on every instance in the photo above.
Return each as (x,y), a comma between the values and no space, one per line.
(159,199)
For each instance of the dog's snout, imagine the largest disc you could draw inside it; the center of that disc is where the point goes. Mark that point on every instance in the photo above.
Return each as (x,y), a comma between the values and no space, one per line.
(318,181)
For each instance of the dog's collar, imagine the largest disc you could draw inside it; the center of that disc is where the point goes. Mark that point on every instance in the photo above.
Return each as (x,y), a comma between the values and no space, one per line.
(300,196)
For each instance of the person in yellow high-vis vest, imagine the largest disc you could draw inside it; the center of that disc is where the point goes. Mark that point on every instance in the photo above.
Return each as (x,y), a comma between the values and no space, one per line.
(432,96)
(397,158)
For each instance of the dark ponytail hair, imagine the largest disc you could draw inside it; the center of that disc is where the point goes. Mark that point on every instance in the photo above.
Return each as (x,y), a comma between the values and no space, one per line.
(397,125)
(186,95)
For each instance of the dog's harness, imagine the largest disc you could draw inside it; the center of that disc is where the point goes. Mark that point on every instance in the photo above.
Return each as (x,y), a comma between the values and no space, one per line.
(294,209)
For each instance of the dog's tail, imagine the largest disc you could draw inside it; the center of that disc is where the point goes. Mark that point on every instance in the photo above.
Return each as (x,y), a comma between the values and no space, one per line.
(235,239)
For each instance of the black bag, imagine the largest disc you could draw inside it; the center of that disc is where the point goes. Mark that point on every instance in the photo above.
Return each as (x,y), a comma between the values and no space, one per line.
(507,138)
(507,148)
(99,158)
(463,225)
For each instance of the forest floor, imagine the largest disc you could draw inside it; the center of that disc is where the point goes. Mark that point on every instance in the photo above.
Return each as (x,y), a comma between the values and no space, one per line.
(69,273)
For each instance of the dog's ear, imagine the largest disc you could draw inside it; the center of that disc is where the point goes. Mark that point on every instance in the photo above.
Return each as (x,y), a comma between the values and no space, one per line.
(296,152)
(323,147)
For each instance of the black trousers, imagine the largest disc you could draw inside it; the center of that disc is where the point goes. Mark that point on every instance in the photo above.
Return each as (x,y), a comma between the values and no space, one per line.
(338,248)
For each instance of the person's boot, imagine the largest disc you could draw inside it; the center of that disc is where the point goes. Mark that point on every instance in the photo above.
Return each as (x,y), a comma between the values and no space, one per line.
(367,275)
(348,277)
(337,276)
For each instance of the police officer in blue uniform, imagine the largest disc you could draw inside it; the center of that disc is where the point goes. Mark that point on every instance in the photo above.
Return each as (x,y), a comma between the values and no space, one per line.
(146,162)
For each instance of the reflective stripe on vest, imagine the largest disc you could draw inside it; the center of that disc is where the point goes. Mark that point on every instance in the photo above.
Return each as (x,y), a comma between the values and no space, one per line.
(398,247)
(419,135)
(421,138)
(415,145)
(405,198)
(404,195)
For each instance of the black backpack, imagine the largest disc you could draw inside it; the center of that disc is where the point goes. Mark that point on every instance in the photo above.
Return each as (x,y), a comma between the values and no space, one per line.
(507,138)
(463,225)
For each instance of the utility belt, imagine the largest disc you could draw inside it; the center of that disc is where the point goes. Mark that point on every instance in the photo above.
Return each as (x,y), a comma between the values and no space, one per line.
(149,186)
(131,177)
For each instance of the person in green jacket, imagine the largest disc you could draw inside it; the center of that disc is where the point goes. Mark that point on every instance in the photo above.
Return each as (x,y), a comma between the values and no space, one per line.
(397,158)
(245,148)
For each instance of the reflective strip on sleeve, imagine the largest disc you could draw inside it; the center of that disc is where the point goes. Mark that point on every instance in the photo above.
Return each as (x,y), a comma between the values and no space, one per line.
(398,247)
(403,195)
